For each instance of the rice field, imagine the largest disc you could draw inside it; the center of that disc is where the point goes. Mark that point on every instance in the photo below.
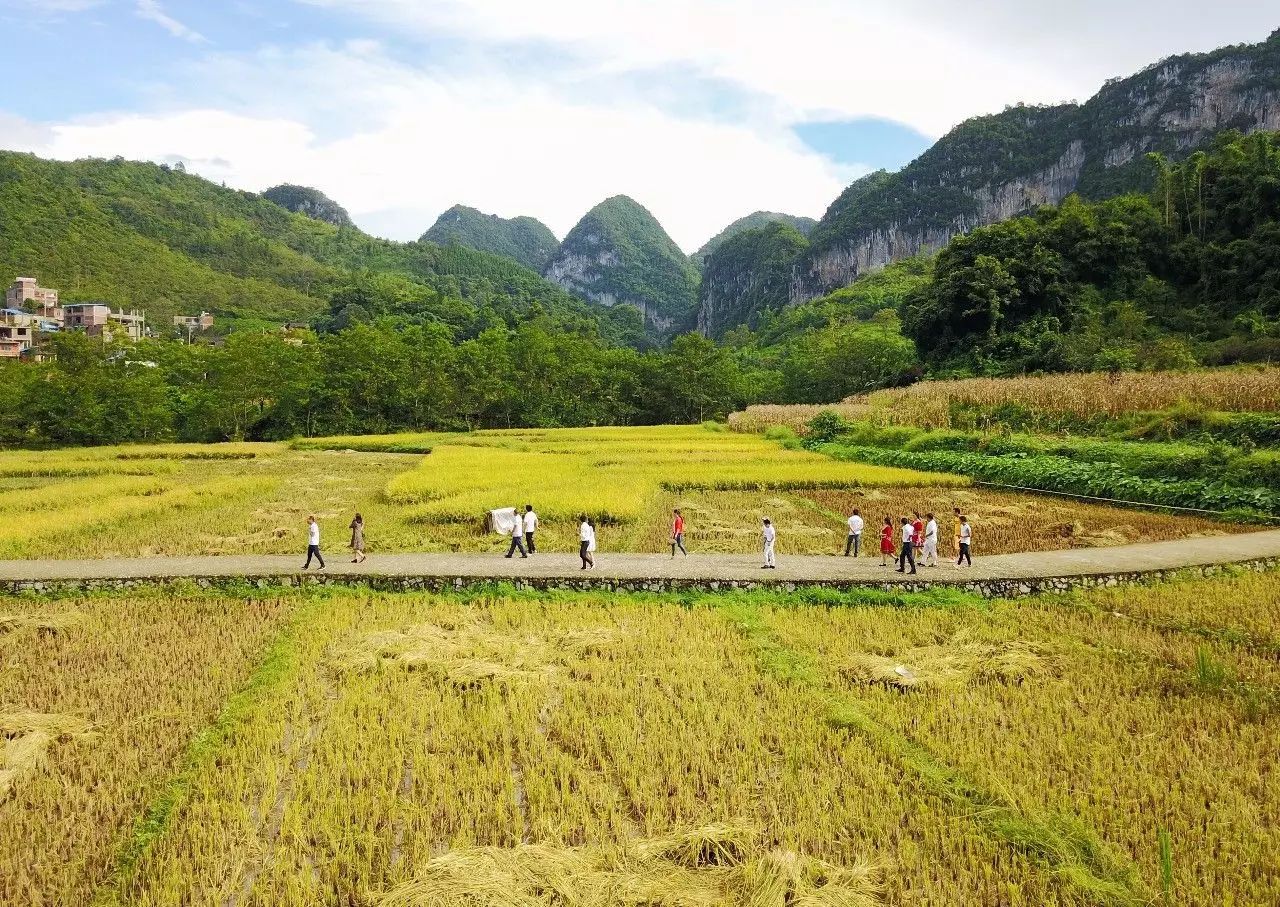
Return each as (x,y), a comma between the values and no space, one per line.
(255,498)
(367,750)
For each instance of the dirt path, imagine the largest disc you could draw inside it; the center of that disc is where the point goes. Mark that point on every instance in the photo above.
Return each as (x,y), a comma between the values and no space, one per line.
(1192,552)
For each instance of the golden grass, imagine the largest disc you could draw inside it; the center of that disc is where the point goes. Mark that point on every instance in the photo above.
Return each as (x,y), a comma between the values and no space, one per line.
(655,754)
(50,623)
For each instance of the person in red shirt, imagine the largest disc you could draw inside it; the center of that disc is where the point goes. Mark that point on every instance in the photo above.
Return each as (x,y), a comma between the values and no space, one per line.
(917,534)
(886,542)
(677,534)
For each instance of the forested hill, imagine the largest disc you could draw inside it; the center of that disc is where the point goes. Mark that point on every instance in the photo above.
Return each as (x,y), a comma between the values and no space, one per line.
(991,168)
(753,221)
(145,236)
(619,255)
(524,239)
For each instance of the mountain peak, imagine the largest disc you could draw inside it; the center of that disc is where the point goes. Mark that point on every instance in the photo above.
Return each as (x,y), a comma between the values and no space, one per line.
(619,254)
(523,239)
(802,225)
(310,202)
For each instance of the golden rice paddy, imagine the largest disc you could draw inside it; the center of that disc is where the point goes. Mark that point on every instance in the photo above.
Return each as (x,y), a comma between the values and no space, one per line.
(352,749)
(255,498)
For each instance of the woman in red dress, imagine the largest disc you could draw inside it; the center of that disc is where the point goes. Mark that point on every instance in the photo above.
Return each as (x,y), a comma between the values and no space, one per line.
(886,541)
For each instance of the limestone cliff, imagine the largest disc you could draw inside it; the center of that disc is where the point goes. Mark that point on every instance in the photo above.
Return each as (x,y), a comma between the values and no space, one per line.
(991,168)
(311,202)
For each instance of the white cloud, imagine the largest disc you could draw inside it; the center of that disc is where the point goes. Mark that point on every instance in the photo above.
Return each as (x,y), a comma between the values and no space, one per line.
(828,57)
(427,141)
(152,11)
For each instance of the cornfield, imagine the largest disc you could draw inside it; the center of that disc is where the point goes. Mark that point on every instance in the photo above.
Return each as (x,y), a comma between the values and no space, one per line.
(347,748)
(929,404)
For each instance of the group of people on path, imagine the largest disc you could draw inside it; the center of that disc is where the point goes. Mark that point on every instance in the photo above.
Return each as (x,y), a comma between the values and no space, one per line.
(914,541)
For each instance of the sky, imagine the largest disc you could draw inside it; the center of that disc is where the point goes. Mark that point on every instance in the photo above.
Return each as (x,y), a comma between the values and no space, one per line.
(701,110)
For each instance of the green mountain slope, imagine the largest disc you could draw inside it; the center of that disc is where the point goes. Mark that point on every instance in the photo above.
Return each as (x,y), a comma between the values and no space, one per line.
(619,255)
(139,235)
(753,221)
(523,239)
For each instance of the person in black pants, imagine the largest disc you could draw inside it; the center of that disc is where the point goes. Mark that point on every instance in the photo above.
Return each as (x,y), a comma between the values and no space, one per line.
(966,540)
(908,555)
(313,543)
(530,527)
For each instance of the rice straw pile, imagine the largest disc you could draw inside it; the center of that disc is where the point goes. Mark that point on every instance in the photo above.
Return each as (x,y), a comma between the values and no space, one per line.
(25,739)
(959,662)
(50,624)
(471,652)
(716,865)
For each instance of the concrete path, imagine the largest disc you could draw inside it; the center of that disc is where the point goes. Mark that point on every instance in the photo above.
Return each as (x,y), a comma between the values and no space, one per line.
(1155,556)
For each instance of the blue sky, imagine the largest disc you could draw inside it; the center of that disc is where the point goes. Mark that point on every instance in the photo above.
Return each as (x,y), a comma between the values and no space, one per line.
(703,110)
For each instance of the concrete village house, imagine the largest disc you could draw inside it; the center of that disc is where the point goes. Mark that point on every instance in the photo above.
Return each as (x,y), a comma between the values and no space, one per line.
(30,310)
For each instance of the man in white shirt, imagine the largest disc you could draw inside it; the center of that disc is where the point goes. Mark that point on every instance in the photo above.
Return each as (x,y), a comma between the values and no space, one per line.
(931,541)
(313,543)
(854,542)
(908,555)
(517,535)
(770,537)
(966,540)
(530,527)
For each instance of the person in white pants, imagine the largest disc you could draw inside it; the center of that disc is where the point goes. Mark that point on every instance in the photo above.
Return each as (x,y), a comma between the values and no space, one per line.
(770,537)
(931,542)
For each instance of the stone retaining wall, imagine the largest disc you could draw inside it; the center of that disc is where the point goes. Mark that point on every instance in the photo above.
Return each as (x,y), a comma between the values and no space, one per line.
(988,588)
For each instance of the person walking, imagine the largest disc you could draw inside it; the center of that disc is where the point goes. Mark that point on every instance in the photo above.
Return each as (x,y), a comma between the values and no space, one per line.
(966,543)
(955,534)
(530,527)
(677,533)
(908,555)
(313,543)
(886,542)
(517,535)
(357,539)
(917,526)
(930,541)
(591,545)
(770,538)
(586,538)
(854,541)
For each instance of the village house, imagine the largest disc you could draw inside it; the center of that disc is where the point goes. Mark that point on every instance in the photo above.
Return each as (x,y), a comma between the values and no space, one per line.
(190,323)
(98,320)
(27,290)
